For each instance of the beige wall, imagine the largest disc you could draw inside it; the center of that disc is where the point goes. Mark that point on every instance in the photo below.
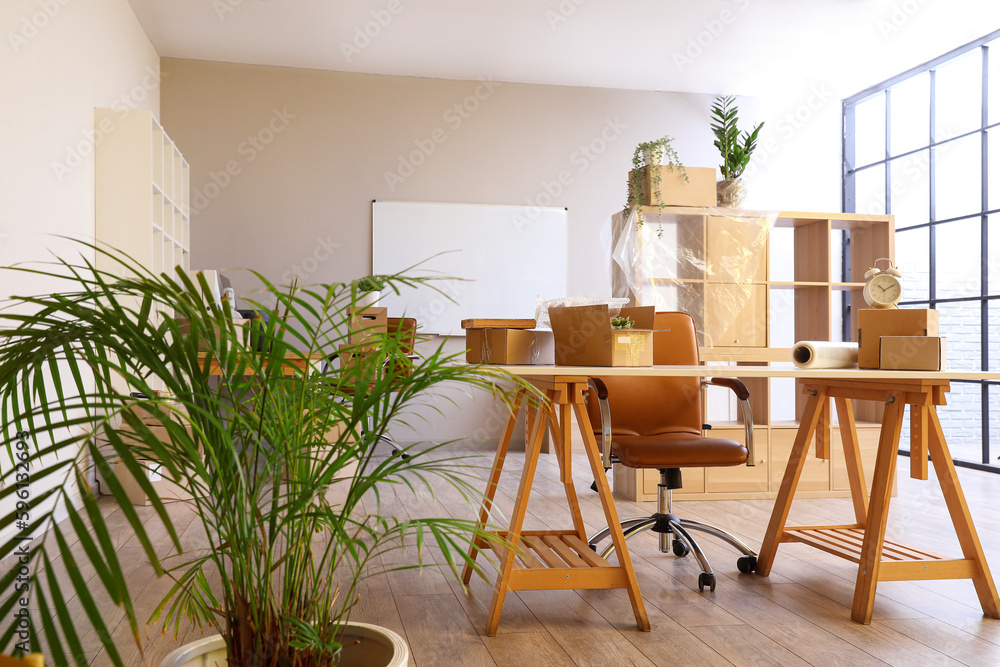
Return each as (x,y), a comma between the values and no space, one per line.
(58,60)
(285,163)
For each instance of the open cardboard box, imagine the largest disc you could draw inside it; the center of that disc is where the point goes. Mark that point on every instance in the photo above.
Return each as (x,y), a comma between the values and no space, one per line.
(584,337)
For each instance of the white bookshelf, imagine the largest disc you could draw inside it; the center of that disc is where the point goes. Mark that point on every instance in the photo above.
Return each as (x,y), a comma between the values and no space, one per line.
(142,191)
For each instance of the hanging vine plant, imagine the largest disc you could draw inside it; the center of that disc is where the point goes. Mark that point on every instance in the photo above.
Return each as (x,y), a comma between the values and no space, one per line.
(659,152)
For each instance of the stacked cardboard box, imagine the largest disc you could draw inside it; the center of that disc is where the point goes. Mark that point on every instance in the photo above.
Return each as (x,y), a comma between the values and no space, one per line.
(506,341)
(900,339)
(167,489)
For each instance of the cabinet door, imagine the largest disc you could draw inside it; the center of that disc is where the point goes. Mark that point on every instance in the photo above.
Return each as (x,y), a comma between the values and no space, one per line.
(736,250)
(735,315)
(815,472)
(739,478)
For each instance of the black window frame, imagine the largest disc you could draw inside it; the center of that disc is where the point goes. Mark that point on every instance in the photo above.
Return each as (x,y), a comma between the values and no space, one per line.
(850,170)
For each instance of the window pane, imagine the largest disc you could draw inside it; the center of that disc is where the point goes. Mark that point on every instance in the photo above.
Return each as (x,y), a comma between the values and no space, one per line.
(993,342)
(910,188)
(957,247)
(959,86)
(961,323)
(870,190)
(913,257)
(993,256)
(994,82)
(962,419)
(869,131)
(909,114)
(958,173)
(993,161)
(994,425)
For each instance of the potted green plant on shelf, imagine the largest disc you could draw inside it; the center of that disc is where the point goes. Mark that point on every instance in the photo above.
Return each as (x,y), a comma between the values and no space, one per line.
(370,290)
(276,460)
(734,148)
(645,180)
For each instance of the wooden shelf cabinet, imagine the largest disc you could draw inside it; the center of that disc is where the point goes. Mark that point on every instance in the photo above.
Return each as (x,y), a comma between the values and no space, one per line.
(792,293)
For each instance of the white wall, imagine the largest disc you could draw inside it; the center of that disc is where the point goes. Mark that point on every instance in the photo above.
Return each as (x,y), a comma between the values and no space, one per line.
(59,59)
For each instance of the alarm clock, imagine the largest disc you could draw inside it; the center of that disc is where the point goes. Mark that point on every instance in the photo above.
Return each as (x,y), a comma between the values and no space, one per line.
(883,289)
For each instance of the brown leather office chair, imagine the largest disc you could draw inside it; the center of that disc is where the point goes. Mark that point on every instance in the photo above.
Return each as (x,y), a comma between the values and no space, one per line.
(656,422)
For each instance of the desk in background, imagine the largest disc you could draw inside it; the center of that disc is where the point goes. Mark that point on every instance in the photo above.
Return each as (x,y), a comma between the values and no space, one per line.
(863,541)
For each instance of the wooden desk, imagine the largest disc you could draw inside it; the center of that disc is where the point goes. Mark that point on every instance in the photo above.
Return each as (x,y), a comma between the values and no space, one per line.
(862,542)
(294,361)
(559,559)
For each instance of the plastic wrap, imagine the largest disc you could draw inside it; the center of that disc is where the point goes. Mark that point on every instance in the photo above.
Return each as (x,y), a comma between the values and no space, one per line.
(824,354)
(542,306)
(705,261)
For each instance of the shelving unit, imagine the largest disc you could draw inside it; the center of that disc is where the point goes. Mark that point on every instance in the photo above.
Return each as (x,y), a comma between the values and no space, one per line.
(142,191)
(142,197)
(797,304)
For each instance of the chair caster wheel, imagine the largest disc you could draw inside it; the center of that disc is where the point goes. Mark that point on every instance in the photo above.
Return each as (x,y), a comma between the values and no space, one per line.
(593,487)
(593,547)
(747,564)
(680,549)
(706,579)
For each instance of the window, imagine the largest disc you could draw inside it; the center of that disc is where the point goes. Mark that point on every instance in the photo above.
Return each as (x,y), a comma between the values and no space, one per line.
(925,147)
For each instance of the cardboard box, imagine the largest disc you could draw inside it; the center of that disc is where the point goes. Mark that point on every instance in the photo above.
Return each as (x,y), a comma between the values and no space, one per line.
(509,346)
(167,489)
(366,323)
(912,353)
(874,323)
(243,330)
(583,336)
(697,190)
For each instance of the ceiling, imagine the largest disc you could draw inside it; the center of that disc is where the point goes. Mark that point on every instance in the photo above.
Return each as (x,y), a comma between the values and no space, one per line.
(746,47)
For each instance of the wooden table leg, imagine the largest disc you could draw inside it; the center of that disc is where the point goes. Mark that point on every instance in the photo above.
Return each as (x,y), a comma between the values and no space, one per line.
(918,440)
(944,468)
(491,487)
(531,451)
(797,459)
(878,509)
(561,432)
(611,515)
(852,456)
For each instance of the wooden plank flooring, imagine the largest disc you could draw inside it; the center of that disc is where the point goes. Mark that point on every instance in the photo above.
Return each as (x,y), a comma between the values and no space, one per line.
(799,615)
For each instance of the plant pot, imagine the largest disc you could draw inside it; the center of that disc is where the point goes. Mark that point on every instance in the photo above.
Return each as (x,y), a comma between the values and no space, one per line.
(369,299)
(730,193)
(365,645)
(653,156)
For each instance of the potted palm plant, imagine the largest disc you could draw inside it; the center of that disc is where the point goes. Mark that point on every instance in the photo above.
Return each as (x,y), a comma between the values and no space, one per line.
(734,149)
(102,376)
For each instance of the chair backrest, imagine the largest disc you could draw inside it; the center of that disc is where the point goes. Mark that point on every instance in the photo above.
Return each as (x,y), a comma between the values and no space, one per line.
(657,405)
(407,329)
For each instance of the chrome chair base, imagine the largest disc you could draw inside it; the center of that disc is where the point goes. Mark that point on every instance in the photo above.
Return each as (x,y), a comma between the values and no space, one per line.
(668,526)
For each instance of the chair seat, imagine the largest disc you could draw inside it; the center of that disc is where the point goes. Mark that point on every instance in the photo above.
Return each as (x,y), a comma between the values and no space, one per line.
(677,450)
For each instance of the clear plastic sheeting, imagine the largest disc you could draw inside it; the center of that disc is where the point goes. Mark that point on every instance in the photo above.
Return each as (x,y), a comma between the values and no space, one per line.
(709,262)
(542,306)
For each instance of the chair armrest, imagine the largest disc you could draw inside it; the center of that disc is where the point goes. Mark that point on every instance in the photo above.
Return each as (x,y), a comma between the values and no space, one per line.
(600,391)
(743,394)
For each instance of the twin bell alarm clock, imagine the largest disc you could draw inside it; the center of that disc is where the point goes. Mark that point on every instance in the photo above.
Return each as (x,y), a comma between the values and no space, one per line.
(883,289)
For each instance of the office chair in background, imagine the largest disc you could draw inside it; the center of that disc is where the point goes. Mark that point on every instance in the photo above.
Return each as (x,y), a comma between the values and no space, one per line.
(406,329)
(656,422)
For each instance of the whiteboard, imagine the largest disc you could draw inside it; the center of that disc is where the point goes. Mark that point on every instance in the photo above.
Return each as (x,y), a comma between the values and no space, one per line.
(492,260)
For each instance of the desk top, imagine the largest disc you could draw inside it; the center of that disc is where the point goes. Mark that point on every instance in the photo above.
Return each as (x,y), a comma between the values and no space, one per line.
(747,372)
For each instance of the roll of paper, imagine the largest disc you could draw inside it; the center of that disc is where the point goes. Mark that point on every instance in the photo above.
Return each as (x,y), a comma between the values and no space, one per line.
(824,354)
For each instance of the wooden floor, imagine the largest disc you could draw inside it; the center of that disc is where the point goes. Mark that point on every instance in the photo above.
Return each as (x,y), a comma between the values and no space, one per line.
(799,615)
